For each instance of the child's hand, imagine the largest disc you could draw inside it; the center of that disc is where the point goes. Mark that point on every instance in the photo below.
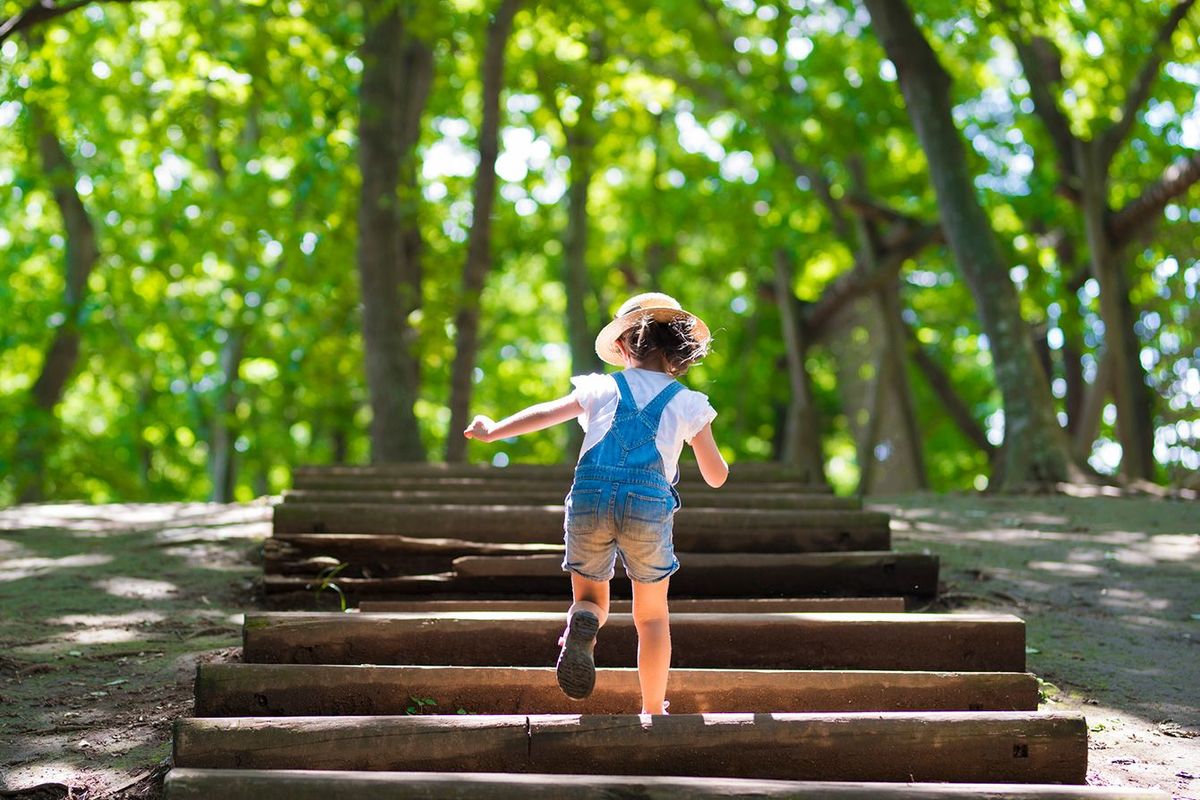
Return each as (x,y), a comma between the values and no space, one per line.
(480,428)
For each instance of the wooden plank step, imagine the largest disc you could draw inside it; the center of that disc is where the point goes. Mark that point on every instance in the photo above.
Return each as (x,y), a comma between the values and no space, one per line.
(198,784)
(688,487)
(256,784)
(379,555)
(700,529)
(738,574)
(875,605)
(285,690)
(526,494)
(746,470)
(1005,747)
(388,555)
(955,642)
(704,575)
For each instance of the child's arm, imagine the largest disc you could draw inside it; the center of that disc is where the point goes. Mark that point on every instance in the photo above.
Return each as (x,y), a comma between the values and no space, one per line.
(534,418)
(712,465)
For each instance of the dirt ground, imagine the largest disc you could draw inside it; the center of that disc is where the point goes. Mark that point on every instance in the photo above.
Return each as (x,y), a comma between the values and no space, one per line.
(1110,591)
(106,610)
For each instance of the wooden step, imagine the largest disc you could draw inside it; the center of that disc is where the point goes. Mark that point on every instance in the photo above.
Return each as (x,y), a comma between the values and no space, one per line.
(285,690)
(704,575)
(527,495)
(692,490)
(870,605)
(955,642)
(1005,747)
(379,555)
(696,529)
(248,784)
(743,574)
(762,471)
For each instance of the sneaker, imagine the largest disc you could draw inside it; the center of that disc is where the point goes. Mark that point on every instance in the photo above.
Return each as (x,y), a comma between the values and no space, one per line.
(576,666)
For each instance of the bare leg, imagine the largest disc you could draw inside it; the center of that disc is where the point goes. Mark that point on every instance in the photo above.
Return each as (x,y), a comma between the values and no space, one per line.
(576,667)
(654,642)
(590,596)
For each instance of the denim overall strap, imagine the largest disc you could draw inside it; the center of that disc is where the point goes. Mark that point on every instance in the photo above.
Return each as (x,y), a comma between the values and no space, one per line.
(624,393)
(654,409)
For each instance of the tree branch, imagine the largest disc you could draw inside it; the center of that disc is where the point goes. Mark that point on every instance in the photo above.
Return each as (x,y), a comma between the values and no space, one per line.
(939,380)
(858,281)
(1042,65)
(40,11)
(1139,91)
(1175,180)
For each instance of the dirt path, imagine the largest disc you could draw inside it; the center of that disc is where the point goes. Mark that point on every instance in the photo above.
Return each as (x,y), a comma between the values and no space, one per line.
(1110,590)
(107,609)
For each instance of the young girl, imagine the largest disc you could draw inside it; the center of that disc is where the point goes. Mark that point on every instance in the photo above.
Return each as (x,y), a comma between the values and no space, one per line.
(623,500)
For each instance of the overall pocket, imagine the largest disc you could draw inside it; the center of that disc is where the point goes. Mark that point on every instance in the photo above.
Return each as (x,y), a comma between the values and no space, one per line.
(647,516)
(583,509)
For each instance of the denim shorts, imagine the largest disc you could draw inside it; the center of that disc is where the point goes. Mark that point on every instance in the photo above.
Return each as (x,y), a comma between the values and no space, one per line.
(606,519)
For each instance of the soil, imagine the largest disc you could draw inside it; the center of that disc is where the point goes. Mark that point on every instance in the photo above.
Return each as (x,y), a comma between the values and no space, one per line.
(107,610)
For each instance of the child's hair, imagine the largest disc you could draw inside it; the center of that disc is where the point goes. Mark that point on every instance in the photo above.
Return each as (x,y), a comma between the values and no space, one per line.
(673,341)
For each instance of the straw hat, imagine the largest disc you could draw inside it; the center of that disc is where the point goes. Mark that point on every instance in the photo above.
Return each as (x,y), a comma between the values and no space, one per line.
(655,305)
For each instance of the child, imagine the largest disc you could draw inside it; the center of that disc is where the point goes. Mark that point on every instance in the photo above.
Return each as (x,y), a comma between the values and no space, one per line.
(623,499)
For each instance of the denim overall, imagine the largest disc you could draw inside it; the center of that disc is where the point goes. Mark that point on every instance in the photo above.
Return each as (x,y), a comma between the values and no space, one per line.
(621,503)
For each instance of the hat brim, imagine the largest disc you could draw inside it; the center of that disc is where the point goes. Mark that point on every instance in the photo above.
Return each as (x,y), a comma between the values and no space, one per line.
(606,340)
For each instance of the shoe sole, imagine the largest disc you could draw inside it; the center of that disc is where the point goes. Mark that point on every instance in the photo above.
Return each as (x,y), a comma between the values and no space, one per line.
(576,666)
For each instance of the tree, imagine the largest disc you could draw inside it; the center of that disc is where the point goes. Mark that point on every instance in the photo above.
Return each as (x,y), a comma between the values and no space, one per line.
(397,72)
(479,255)
(1085,164)
(62,355)
(1035,448)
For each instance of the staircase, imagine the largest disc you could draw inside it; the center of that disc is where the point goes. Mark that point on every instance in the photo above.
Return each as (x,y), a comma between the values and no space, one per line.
(795,672)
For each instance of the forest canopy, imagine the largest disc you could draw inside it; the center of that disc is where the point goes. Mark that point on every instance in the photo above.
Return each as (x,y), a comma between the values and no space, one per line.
(240,236)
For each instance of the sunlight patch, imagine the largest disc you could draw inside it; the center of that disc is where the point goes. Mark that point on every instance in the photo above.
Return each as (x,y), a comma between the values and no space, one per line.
(1061,568)
(18,568)
(132,618)
(137,588)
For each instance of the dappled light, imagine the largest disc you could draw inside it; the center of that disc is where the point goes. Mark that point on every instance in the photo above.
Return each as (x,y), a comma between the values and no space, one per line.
(137,588)
(15,569)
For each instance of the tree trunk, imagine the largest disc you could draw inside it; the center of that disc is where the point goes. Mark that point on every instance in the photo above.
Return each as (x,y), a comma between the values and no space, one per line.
(802,428)
(221,452)
(396,78)
(1035,450)
(890,438)
(1135,423)
(575,272)
(1091,408)
(62,355)
(479,253)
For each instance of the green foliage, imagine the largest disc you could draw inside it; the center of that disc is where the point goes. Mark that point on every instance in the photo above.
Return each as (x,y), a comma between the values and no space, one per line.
(215,146)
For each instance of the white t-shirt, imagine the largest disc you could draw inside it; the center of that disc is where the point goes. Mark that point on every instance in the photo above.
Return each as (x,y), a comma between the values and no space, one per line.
(684,417)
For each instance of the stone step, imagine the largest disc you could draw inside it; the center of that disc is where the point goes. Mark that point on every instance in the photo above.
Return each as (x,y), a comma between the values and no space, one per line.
(256,784)
(704,575)
(1003,747)
(875,605)
(707,528)
(526,494)
(285,690)
(933,642)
